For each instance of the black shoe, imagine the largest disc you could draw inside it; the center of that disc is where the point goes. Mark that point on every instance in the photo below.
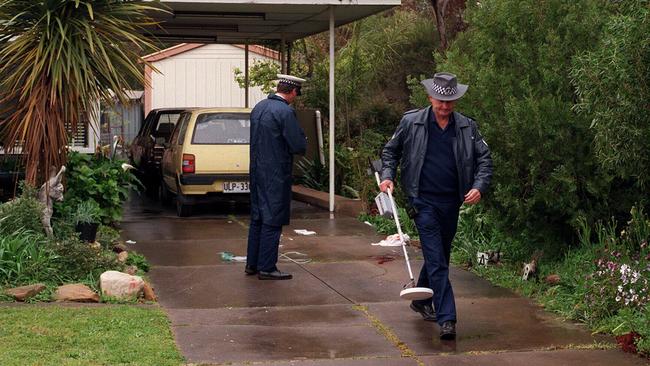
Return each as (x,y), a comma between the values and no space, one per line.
(274,275)
(448,330)
(250,270)
(425,310)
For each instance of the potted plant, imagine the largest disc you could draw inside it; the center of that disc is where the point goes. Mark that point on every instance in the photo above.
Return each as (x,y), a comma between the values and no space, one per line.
(86,219)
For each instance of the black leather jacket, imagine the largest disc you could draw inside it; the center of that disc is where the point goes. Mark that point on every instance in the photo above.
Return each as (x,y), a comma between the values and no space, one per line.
(409,145)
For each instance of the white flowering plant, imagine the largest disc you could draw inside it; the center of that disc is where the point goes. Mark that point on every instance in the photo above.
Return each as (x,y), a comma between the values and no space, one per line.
(618,288)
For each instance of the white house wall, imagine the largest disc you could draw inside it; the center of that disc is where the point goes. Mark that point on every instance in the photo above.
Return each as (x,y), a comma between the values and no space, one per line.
(203,77)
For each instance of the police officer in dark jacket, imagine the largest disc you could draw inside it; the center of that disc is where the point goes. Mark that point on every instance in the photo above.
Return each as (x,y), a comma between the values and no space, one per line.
(444,162)
(275,137)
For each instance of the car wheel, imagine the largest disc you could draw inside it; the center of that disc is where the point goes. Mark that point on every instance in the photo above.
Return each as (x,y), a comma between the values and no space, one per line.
(163,194)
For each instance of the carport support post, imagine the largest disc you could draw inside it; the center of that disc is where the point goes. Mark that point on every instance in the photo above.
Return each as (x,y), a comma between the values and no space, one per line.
(246,74)
(332,110)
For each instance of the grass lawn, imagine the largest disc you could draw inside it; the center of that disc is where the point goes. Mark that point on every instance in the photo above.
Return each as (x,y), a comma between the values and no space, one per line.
(86,335)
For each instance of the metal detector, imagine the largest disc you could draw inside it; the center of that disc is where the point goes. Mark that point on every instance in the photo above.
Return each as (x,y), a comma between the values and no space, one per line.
(410,291)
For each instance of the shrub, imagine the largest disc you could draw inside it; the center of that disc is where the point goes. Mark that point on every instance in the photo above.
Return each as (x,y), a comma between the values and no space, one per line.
(313,174)
(620,277)
(108,236)
(546,174)
(78,261)
(612,82)
(100,179)
(138,260)
(22,212)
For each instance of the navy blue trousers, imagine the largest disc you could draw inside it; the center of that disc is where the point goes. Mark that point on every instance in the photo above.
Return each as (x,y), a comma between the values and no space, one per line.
(263,242)
(437,221)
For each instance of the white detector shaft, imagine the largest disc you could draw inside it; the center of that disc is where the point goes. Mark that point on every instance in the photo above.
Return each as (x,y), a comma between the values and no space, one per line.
(399,228)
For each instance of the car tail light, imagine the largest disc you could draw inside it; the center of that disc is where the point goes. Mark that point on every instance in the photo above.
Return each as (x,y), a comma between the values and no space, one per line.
(188,163)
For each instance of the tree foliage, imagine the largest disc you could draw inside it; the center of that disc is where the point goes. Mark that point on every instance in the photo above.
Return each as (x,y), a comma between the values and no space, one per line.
(262,73)
(58,58)
(613,85)
(517,57)
(374,57)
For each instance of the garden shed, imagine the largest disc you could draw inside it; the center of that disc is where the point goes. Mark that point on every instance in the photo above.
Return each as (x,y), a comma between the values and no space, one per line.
(201,75)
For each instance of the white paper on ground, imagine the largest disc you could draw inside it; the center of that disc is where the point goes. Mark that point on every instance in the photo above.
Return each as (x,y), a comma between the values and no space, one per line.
(304,232)
(392,241)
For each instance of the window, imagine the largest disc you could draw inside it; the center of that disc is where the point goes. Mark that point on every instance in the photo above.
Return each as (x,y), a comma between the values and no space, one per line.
(165,125)
(222,129)
(80,137)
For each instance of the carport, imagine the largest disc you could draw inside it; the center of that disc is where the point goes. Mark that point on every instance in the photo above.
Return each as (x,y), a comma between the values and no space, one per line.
(265,21)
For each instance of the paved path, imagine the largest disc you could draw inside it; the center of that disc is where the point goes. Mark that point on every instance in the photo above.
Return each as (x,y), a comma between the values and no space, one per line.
(341,309)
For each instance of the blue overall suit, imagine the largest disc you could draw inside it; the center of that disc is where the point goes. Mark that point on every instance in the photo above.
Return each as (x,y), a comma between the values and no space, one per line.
(275,137)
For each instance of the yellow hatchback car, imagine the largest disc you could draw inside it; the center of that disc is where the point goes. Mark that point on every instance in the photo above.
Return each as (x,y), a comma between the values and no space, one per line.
(207,158)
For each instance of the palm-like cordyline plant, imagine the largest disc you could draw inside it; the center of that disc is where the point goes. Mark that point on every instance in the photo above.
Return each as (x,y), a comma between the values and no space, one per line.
(57,59)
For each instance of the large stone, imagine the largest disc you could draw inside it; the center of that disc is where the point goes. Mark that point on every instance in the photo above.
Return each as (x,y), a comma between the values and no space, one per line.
(75,292)
(25,292)
(120,285)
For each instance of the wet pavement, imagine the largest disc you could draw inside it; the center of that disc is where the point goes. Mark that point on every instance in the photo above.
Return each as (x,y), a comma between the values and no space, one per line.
(341,308)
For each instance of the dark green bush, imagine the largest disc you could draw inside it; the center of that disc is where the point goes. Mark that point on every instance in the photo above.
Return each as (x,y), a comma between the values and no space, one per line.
(108,236)
(517,56)
(98,178)
(24,212)
(375,55)
(313,174)
(78,261)
(613,84)
(138,260)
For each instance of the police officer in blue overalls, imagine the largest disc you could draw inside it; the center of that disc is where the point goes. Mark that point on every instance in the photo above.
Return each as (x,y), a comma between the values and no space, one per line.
(275,137)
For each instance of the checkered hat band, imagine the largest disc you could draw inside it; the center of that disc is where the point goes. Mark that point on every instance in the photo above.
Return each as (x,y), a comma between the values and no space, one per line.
(290,82)
(443,91)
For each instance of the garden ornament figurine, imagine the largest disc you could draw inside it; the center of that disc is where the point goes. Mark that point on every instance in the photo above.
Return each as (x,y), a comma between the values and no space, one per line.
(530,268)
(275,137)
(445,162)
(51,190)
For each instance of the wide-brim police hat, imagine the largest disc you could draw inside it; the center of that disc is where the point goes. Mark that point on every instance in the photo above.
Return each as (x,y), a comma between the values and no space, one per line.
(444,87)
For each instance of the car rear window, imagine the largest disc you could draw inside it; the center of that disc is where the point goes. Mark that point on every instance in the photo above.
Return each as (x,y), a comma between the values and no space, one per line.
(222,129)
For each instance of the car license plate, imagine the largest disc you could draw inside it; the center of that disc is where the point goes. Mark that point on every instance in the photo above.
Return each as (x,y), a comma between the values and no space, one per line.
(236,187)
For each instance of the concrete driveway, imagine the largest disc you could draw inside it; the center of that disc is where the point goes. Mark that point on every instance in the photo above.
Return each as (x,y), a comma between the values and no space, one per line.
(341,308)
